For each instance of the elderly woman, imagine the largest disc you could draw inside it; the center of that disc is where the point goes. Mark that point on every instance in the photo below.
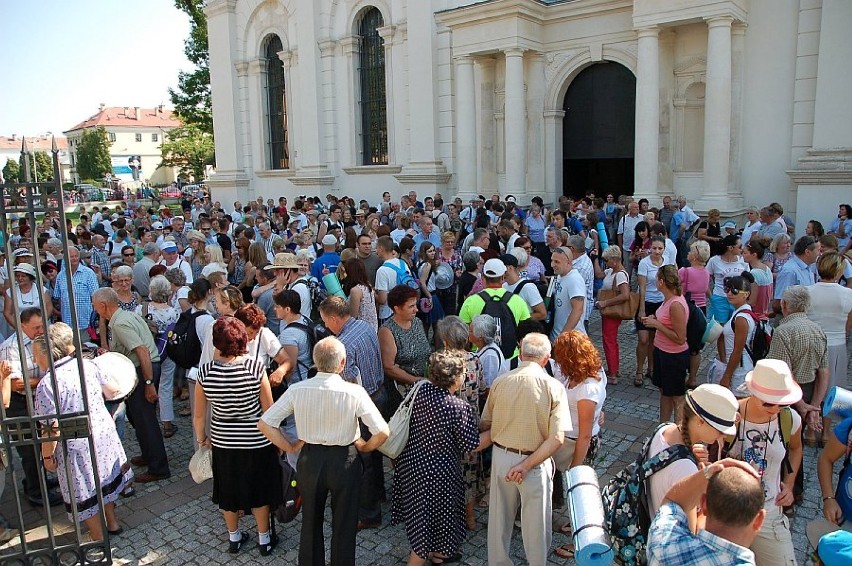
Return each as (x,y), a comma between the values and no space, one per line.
(453,335)
(180,290)
(402,340)
(442,428)
(245,464)
(451,256)
(164,315)
(25,294)
(72,457)
(615,278)
(533,269)
(779,253)
(128,299)
(264,346)
(483,335)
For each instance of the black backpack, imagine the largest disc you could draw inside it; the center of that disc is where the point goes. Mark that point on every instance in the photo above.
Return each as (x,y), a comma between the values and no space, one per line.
(507,328)
(315,332)
(318,295)
(696,325)
(625,501)
(183,344)
(759,347)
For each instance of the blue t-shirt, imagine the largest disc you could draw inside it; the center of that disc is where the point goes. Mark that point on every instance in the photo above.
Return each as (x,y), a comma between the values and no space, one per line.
(841,431)
(330,259)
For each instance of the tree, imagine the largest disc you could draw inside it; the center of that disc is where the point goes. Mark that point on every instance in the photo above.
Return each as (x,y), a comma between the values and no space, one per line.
(11,171)
(189,148)
(191,99)
(41,170)
(93,159)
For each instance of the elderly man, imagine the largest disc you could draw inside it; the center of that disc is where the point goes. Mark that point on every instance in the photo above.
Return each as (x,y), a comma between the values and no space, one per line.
(179,235)
(329,440)
(569,294)
(626,228)
(130,337)
(267,238)
(427,233)
(363,366)
(85,284)
(173,260)
(797,270)
(525,417)
(802,345)
(731,496)
(771,225)
(141,277)
(32,326)
(100,258)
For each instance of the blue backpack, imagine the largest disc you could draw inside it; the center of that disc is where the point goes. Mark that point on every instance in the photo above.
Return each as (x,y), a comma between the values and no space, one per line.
(403,275)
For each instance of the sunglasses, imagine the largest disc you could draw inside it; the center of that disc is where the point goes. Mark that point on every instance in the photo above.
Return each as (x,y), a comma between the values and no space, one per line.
(771,405)
(128,255)
(733,291)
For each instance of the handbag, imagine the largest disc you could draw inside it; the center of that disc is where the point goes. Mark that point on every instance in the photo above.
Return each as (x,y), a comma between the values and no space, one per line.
(398,437)
(201,464)
(622,311)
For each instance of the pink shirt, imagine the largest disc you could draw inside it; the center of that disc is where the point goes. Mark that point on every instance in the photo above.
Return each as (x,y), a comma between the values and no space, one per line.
(695,281)
(662,341)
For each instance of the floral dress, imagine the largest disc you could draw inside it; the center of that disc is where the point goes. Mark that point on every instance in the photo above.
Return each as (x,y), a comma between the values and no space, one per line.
(471,389)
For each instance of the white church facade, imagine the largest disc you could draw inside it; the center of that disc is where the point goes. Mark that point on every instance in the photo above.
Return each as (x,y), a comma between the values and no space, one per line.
(728,102)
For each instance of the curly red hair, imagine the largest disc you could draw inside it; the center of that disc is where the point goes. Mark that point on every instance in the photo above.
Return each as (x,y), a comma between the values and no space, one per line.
(576,356)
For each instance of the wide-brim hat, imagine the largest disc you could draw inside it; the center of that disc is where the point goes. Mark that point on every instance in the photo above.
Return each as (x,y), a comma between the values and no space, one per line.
(772,381)
(716,405)
(283,261)
(196,235)
(712,331)
(27,268)
(444,276)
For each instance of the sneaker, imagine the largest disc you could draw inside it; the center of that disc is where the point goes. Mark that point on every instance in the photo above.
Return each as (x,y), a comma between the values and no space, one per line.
(234,547)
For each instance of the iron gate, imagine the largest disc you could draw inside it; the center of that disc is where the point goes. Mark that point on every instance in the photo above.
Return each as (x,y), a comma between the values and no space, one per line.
(26,201)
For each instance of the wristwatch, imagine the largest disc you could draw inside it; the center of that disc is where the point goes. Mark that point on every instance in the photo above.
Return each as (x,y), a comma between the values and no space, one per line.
(149,382)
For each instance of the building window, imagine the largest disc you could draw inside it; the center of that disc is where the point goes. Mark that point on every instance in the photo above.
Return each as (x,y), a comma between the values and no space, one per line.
(276,107)
(112,136)
(138,137)
(373,104)
(155,138)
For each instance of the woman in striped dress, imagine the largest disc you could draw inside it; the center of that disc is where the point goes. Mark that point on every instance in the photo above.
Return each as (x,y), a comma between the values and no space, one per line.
(245,467)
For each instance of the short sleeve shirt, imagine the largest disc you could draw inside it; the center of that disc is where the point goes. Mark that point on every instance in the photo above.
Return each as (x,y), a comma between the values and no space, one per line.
(568,286)
(292,335)
(129,331)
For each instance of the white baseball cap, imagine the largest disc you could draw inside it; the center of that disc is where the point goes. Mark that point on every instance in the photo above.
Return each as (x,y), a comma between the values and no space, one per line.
(494,268)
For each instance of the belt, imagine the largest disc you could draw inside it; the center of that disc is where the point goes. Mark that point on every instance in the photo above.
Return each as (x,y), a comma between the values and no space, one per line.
(513,450)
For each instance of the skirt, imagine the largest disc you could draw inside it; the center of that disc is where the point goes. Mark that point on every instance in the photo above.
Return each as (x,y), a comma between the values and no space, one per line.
(244,479)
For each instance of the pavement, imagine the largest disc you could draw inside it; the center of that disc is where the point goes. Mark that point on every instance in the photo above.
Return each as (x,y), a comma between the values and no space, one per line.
(174,521)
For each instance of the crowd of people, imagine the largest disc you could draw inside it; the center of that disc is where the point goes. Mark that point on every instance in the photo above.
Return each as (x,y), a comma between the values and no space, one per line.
(300,329)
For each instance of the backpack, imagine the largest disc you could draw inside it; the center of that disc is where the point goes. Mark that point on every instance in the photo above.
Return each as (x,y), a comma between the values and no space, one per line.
(759,347)
(152,326)
(315,332)
(318,295)
(625,501)
(291,503)
(183,344)
(507,328)
(403,275)
(696,324)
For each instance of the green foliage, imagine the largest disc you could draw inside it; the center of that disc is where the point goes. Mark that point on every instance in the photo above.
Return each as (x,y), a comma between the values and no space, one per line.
(191,98)
(11,171)
(41,169)
(93,160)
(189,148)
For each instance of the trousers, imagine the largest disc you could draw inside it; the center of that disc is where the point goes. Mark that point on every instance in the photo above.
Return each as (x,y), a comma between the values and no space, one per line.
(143,416)
(32,486)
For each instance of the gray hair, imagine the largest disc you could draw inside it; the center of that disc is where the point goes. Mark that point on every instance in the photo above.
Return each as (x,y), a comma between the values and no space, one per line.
(55,242)
(105,295)
(521,255)
(304,254)
(535,347)
(150,249)
(752,208)
(160,290)
(796,298)
(611,252)
(176,277)
(470,260)
(453,331)
(328,354)
(577,242)
(122,271)
(484,327)
(61,339)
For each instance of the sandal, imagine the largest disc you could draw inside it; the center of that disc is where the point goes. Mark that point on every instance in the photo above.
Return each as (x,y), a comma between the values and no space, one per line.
(170,430)
(565,551)
(185,412)
(638,381)
(612,380)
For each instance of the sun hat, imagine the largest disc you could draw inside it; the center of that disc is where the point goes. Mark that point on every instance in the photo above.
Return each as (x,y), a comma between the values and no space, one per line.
(283,261)
(729,224)
(313,212)
(716,405)
(168,246)
(494,268)
(157,226)
(22,252)
(211,268)
(712,331)
(476,249)
(444,276)
(196,235)
(772,381)
(26,268)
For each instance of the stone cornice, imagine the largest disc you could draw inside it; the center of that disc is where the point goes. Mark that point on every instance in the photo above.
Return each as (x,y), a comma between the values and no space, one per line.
(373,170)
(215,8)
(824,167)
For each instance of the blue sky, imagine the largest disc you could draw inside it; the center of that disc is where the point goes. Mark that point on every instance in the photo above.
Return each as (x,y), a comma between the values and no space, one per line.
(62,58)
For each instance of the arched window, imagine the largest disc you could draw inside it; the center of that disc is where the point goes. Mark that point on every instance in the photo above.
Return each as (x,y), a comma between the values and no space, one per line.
(276,106)
(373,106)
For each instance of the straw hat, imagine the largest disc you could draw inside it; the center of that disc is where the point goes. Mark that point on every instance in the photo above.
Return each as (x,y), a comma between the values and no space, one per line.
(716,405)
(283,261)
(772,381)
(196,235)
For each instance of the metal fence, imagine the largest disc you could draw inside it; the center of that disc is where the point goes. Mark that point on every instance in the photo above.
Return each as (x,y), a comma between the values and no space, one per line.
(40,543)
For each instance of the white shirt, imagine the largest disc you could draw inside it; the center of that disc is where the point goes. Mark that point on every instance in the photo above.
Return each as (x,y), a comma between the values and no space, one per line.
(584,266)
(670,253)
(528,292)
(181,264)
(327,410)
(662,481)
(385,281)
(567,287)
(627,228)
(304,291)
(719,269)
(264,347)
(591,389)
(750,228)
(830,306)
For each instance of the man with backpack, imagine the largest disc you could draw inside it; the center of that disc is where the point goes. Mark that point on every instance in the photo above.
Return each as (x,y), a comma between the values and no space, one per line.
(506,307)
(392,272)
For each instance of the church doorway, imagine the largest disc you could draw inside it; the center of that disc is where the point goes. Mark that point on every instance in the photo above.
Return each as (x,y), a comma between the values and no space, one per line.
(599,131)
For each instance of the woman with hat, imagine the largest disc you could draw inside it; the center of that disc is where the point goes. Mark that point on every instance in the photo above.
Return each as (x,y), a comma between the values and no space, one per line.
(50,270)
(25,294)
(709,413)
(769,437)
(195,252)
(734,362)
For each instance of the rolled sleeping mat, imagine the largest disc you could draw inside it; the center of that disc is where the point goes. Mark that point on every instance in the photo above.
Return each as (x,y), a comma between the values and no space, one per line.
(837,404)
(591,540)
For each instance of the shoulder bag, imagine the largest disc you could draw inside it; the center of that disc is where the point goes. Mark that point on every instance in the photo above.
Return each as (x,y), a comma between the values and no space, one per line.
(622,311)
(398,437)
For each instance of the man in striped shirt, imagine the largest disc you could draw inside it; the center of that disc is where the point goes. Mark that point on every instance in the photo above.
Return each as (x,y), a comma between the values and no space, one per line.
(327,410)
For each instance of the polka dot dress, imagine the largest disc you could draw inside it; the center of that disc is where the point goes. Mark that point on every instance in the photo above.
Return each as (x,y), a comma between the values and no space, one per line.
(429,488)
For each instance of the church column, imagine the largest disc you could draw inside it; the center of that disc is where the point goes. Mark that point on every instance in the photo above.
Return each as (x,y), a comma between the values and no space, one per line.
(717,114)
(465,128)
(515,124)
(553,157)
(535,145)
(487,132)
(647,164)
